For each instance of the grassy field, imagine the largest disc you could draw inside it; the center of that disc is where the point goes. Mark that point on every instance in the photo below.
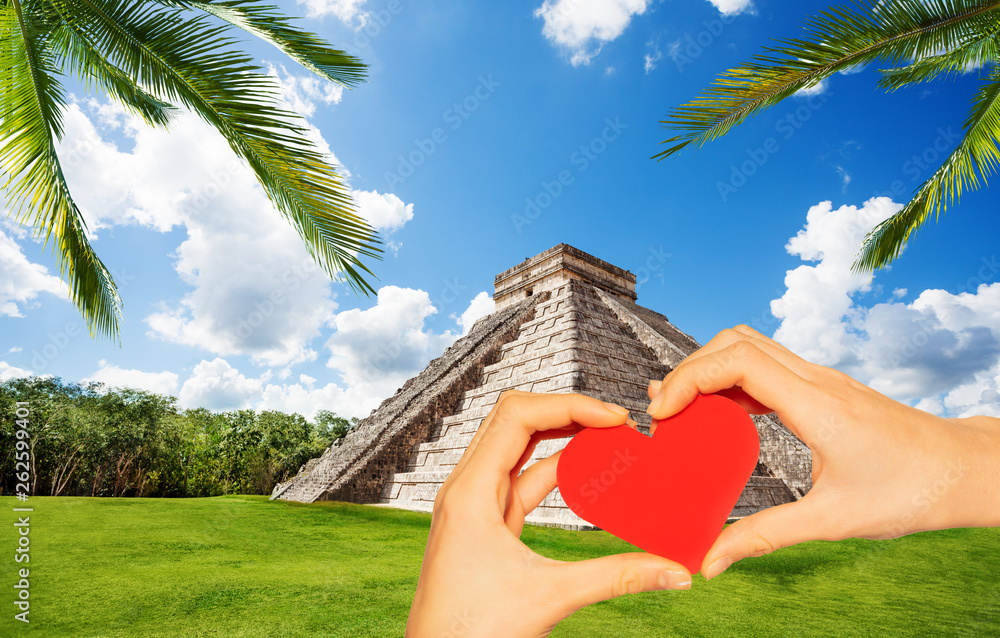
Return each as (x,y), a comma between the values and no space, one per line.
(244,566)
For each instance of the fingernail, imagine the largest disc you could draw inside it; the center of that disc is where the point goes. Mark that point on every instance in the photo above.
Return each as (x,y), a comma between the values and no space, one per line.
(671,579)
(654,385)
(616,409)
(718,567)
(655,404)
(631,423)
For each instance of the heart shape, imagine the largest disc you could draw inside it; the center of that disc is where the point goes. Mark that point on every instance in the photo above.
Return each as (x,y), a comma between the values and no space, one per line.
(669,494)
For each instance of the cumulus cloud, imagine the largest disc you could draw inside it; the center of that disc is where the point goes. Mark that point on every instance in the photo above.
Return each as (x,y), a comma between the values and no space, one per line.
(115,377)
(254,289)
(732,7)
(301,92)
(481,305)
(217,385)
(940,352)
(385,212)
(381,347)
(8,372)
(372,353)
(22,280)
(582,27)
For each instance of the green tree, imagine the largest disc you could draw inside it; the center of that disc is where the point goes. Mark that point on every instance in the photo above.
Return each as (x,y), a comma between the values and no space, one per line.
(919,41)
(151,55)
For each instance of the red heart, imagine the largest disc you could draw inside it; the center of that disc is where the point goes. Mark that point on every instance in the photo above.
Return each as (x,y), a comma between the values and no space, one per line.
(670,494)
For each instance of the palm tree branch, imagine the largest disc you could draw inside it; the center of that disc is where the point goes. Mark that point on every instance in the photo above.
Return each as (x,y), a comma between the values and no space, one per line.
(267,23)
(71,44)
(30,124)
(976,156)
(840,39)
(226,90)
(974,53)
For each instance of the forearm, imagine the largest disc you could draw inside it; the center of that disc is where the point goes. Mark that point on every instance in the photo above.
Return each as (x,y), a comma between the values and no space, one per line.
(980,497)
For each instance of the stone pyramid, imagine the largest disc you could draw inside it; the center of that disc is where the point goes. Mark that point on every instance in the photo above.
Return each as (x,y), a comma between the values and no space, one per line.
(565,321)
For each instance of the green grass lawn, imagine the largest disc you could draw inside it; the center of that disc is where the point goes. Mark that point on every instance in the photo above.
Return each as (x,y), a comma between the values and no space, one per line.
(244,566)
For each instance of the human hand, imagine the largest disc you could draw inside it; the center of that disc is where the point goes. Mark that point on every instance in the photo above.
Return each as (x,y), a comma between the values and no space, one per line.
(881,469)
(478,578)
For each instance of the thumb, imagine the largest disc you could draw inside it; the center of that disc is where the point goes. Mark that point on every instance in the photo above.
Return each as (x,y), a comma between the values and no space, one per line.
(764,532)
(586,582)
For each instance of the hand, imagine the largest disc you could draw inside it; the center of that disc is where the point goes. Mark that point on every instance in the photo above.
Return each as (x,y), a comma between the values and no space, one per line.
(478,578)
(880,469)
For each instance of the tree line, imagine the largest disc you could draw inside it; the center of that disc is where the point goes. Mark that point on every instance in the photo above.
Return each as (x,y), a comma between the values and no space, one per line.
(88,440)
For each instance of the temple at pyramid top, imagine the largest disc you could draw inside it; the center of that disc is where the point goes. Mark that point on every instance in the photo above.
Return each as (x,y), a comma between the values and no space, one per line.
(556,266)
(565,321)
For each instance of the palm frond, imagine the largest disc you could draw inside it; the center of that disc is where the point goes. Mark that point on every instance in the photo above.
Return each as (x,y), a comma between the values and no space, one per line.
(267,23)
(190,61)
(70,44)
(975,158)
(838,39)
(981,49)
(31,101)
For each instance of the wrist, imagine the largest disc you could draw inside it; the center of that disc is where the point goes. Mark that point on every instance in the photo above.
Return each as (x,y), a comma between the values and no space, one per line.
(977,494)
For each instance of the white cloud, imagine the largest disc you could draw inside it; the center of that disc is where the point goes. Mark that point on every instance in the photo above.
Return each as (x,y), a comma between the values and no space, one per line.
(940,352)
(216,385)
(582,27)
(379,348)
(384,212)
(301,93)
(480,306)
(350,12)
(8,372)
(812,90)
(254,289)
(114,377)
(732,7)
(22,281)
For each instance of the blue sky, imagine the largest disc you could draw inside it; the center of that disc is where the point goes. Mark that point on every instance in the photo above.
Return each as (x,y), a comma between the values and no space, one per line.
(487,133)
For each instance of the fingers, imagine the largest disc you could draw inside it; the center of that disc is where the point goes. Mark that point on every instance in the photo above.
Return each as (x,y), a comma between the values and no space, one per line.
(535,483)
(589,581)
(764,532)
(501,441)
(742,365)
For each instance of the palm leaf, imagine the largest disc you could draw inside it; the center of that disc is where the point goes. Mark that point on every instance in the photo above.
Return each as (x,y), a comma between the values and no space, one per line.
(836,40)
(976,157)
(981,49)
(31,100)
(70,44)
(190,62)
(267,23)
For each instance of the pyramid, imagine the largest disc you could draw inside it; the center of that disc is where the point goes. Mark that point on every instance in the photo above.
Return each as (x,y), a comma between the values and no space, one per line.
(565,321)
